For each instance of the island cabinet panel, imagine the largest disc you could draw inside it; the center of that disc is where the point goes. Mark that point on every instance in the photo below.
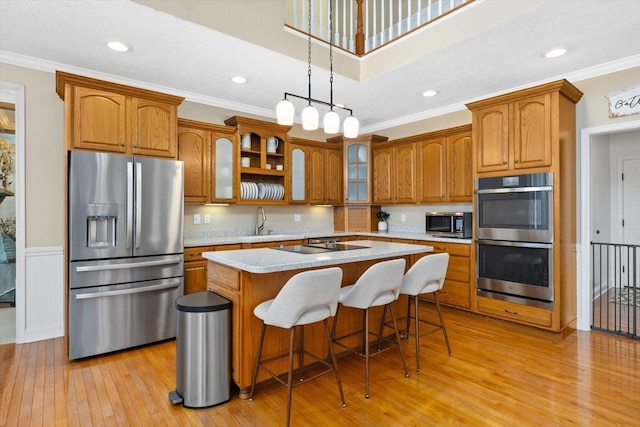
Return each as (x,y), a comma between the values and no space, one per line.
(272,244)
(110,117)
(458,284)
(246,290)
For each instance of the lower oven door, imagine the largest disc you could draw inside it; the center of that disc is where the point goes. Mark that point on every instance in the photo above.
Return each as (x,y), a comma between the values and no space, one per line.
(516,271)
(115,317)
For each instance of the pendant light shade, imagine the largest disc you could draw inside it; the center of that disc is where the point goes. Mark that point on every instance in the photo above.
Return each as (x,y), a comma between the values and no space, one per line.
(351,127)
(284,112)
(310,118)
(331,122)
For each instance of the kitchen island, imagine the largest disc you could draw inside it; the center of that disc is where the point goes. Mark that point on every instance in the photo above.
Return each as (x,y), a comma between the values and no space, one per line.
(250,276)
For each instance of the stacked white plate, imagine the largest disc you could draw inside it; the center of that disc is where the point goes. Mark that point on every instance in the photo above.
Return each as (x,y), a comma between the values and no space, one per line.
(269,191)
(248,190)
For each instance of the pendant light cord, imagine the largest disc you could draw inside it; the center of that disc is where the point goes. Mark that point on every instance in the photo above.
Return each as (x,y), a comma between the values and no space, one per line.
(309,52)
(331,53)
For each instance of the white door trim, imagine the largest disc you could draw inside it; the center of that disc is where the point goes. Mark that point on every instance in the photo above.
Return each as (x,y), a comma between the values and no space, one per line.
(15,94)
(584,264)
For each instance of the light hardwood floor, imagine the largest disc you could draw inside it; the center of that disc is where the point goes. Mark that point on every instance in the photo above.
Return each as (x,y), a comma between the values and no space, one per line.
(500,374)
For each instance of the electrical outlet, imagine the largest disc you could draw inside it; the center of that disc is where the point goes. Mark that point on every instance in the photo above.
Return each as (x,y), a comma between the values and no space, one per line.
(403,218)
(296,217)
(207,218)
(196,218)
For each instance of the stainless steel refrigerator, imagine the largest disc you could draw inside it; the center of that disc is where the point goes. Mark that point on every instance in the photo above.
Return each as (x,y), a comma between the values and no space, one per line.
(125,251)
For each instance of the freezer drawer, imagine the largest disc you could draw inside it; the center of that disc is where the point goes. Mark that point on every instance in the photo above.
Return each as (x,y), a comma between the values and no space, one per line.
(110,318)
(86,274)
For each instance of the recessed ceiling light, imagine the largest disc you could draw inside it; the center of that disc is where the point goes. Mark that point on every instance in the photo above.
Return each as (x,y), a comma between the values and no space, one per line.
(238,79)
(429,92)
(118,46)
(555,53)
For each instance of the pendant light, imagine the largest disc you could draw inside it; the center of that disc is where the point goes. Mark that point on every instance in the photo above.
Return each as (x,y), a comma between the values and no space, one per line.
(310,117)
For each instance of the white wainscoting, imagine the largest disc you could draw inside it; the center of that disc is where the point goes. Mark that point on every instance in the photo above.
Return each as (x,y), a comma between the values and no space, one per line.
(44,293)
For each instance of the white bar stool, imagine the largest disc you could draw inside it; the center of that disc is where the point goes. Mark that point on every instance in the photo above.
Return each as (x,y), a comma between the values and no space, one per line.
(378,285)
(424,277)
(307,297)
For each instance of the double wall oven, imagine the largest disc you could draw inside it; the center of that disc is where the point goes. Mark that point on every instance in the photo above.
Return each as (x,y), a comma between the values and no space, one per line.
(514,238)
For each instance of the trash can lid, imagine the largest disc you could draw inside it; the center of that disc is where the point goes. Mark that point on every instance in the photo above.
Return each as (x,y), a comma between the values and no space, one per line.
(201,302)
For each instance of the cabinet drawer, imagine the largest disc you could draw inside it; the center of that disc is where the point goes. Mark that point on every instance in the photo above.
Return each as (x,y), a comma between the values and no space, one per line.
(457,294)
(195,254)
(459,269)
(515,312)
(220,275)
(451,248)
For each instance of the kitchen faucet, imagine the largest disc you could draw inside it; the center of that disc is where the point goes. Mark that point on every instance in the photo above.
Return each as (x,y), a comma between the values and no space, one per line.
(261,217)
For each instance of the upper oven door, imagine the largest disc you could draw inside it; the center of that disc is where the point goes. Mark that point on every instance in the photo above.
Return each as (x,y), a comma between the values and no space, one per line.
(520,213)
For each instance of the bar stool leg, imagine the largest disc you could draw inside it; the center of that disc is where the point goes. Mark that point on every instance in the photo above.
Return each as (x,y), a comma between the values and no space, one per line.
(408,316)
(417,336)
(444,330)
(365,336)
(395,328)
(255,369)
(333,361)
(382,323)
(290,374)
(301,351)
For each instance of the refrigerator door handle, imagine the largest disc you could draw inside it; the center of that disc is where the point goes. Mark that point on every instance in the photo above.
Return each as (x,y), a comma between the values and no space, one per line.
(129,204)
(128,291)
(156,263)
(138,203)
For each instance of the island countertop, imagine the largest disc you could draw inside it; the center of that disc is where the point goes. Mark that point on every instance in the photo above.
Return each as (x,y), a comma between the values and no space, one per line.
(269,260)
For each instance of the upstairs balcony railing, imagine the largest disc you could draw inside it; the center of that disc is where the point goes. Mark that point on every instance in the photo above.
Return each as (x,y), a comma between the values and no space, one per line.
(361,26)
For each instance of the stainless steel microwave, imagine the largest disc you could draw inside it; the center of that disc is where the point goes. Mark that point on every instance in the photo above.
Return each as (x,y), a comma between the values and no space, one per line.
(449,224)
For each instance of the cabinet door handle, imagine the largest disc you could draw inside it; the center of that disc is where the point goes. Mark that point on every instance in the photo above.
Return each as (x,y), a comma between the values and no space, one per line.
(451,195)
(511,312)
(504,162)
(122,143)
(516,161)
(135,145)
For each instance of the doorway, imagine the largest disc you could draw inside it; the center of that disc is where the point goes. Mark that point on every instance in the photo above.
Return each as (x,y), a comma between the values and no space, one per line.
(7,223)
(12,208)
(604,198)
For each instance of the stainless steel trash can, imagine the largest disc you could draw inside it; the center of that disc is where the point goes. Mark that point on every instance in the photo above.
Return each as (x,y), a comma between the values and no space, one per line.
(203,364)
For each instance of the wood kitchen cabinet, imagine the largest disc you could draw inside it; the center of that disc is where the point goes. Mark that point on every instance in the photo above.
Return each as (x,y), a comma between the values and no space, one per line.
(263,163)
(321,181)
(357,167)
(520,132)
(325,175)
(458,284)
(195,266)
(208,152)
(395,173)
(533,131)
(110,117)
(195,269)
(445,167)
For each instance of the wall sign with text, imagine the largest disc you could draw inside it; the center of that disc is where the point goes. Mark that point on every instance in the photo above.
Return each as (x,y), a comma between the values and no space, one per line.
(624,103)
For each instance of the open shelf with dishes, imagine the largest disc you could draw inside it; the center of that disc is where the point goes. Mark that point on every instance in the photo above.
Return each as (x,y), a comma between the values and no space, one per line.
(262,159)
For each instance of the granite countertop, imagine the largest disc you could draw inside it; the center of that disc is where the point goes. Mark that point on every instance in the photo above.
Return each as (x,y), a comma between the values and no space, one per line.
(268,260)
(222,240)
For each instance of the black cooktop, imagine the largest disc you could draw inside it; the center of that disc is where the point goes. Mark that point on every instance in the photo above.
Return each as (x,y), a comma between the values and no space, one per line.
(319,248)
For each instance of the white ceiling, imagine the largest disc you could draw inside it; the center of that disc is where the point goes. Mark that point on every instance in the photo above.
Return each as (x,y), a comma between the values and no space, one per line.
(495,46)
